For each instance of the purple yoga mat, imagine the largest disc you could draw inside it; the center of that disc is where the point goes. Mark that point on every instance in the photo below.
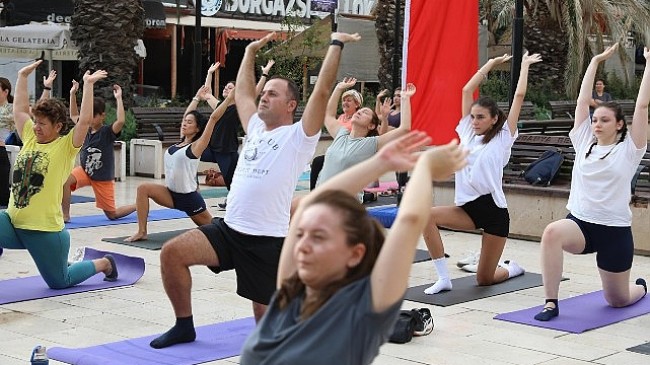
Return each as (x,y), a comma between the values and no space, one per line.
(580,314)
(101,220)
(130,270)
(213,342)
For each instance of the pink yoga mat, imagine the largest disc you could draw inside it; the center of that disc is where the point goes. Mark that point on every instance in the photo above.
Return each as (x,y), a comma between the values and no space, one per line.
(383,186)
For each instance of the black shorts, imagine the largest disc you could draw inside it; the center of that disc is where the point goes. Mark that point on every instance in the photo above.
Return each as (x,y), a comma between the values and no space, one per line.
(614,246)
(487,215)
(254,258)
(190,203)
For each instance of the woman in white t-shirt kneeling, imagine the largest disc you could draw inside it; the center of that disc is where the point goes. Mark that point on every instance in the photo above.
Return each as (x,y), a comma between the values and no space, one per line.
(600,219)
(479,199)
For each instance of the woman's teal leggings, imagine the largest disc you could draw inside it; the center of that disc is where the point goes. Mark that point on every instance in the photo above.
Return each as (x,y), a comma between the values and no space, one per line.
(49,251)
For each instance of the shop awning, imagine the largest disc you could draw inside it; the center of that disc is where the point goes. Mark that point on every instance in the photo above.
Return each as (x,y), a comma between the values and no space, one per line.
(60,11)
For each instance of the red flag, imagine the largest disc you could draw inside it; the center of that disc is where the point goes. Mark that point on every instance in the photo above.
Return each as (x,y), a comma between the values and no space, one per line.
(440,56)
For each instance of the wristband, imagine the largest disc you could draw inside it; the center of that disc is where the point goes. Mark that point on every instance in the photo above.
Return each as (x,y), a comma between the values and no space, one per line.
(196,99)
(47,88)
(265,75)
(336,42)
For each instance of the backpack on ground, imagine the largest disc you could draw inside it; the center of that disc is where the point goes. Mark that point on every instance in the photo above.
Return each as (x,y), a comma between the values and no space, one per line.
(542,171)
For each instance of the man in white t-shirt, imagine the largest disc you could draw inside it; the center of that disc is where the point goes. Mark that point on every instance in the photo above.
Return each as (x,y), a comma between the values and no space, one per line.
(249,239)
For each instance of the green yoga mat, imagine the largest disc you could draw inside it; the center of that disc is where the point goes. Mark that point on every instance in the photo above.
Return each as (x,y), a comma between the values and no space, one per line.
(154,240)
(223,192)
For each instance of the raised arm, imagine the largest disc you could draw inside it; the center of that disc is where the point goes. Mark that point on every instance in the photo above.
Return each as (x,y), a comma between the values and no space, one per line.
(200,94)
(389,278)
(520,91)
(639,130)
(119,106)
(209,97)
(584,97)
(399,155)
(201,144)
(331,122)
(379,101)
(384,111)
(74,108)
(475,81)
(47,85)
(405,118)
(21,97)
(245,100)
(314,115)
(86,114)
(265,77)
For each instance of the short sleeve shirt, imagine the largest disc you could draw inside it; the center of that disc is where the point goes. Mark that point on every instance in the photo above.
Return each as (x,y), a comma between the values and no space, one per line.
(345,152)
(96,154)
(484,171)
(344,331)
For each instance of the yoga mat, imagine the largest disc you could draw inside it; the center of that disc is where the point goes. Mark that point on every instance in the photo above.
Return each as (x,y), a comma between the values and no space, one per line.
(213,342)
(580,314)
(130,270)
(383,186)
(466,290)
(81,199)
(384,214)
(641,349)
(214,193)
(382,201)
(154,240)
(101,220)
(421,256)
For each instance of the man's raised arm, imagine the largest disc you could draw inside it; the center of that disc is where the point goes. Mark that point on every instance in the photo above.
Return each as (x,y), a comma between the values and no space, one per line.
(314,115)
(245,92)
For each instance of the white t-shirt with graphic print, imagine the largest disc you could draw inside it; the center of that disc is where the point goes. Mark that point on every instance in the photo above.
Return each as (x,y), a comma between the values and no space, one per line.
(267,172)
(600,189)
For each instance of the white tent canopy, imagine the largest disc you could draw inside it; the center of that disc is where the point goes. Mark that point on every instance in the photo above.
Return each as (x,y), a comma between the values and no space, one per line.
(46,36)
(28,40)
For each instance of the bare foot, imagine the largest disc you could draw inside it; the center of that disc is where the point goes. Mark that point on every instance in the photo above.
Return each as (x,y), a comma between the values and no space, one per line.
(140,236)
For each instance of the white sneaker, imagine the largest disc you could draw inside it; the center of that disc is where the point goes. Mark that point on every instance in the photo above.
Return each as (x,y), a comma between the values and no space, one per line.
(78,256)
(473,268)
(471,259)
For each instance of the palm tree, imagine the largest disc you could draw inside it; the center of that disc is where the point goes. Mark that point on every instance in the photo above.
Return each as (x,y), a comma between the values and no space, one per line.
(385,12)
(563,32)
(105,33)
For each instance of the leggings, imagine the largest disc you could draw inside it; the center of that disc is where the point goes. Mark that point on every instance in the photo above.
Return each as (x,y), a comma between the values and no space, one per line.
(5,167)
(49,251)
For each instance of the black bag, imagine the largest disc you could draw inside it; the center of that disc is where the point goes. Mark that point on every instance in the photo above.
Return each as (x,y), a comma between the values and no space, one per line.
(543,170)
(404,327)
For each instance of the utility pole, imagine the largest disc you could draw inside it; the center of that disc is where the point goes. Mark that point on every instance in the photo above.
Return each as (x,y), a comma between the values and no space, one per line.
(517,48)
(197,69)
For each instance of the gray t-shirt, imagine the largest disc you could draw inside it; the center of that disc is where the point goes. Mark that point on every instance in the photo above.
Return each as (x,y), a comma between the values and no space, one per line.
(345,330)
(345,152)
(97,156)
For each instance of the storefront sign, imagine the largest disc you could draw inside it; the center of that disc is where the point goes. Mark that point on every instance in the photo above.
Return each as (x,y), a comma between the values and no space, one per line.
(210,7)
(302,8)
(359,7)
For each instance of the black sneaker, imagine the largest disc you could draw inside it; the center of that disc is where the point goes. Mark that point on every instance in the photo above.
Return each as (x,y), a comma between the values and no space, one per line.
(1,250)
(424,322)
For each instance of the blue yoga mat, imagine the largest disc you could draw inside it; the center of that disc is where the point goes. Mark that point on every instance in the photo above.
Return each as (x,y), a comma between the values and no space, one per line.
(213,342)
(130,270)
(385,215)
(74,199)
(101,220)
(580,314)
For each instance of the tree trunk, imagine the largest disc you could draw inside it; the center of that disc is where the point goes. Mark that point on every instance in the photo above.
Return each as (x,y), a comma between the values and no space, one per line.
(105,33)
(388,48)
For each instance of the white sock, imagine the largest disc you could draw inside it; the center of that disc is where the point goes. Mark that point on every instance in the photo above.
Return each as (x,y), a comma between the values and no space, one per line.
(513,269)
(438,286)
(443,283)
